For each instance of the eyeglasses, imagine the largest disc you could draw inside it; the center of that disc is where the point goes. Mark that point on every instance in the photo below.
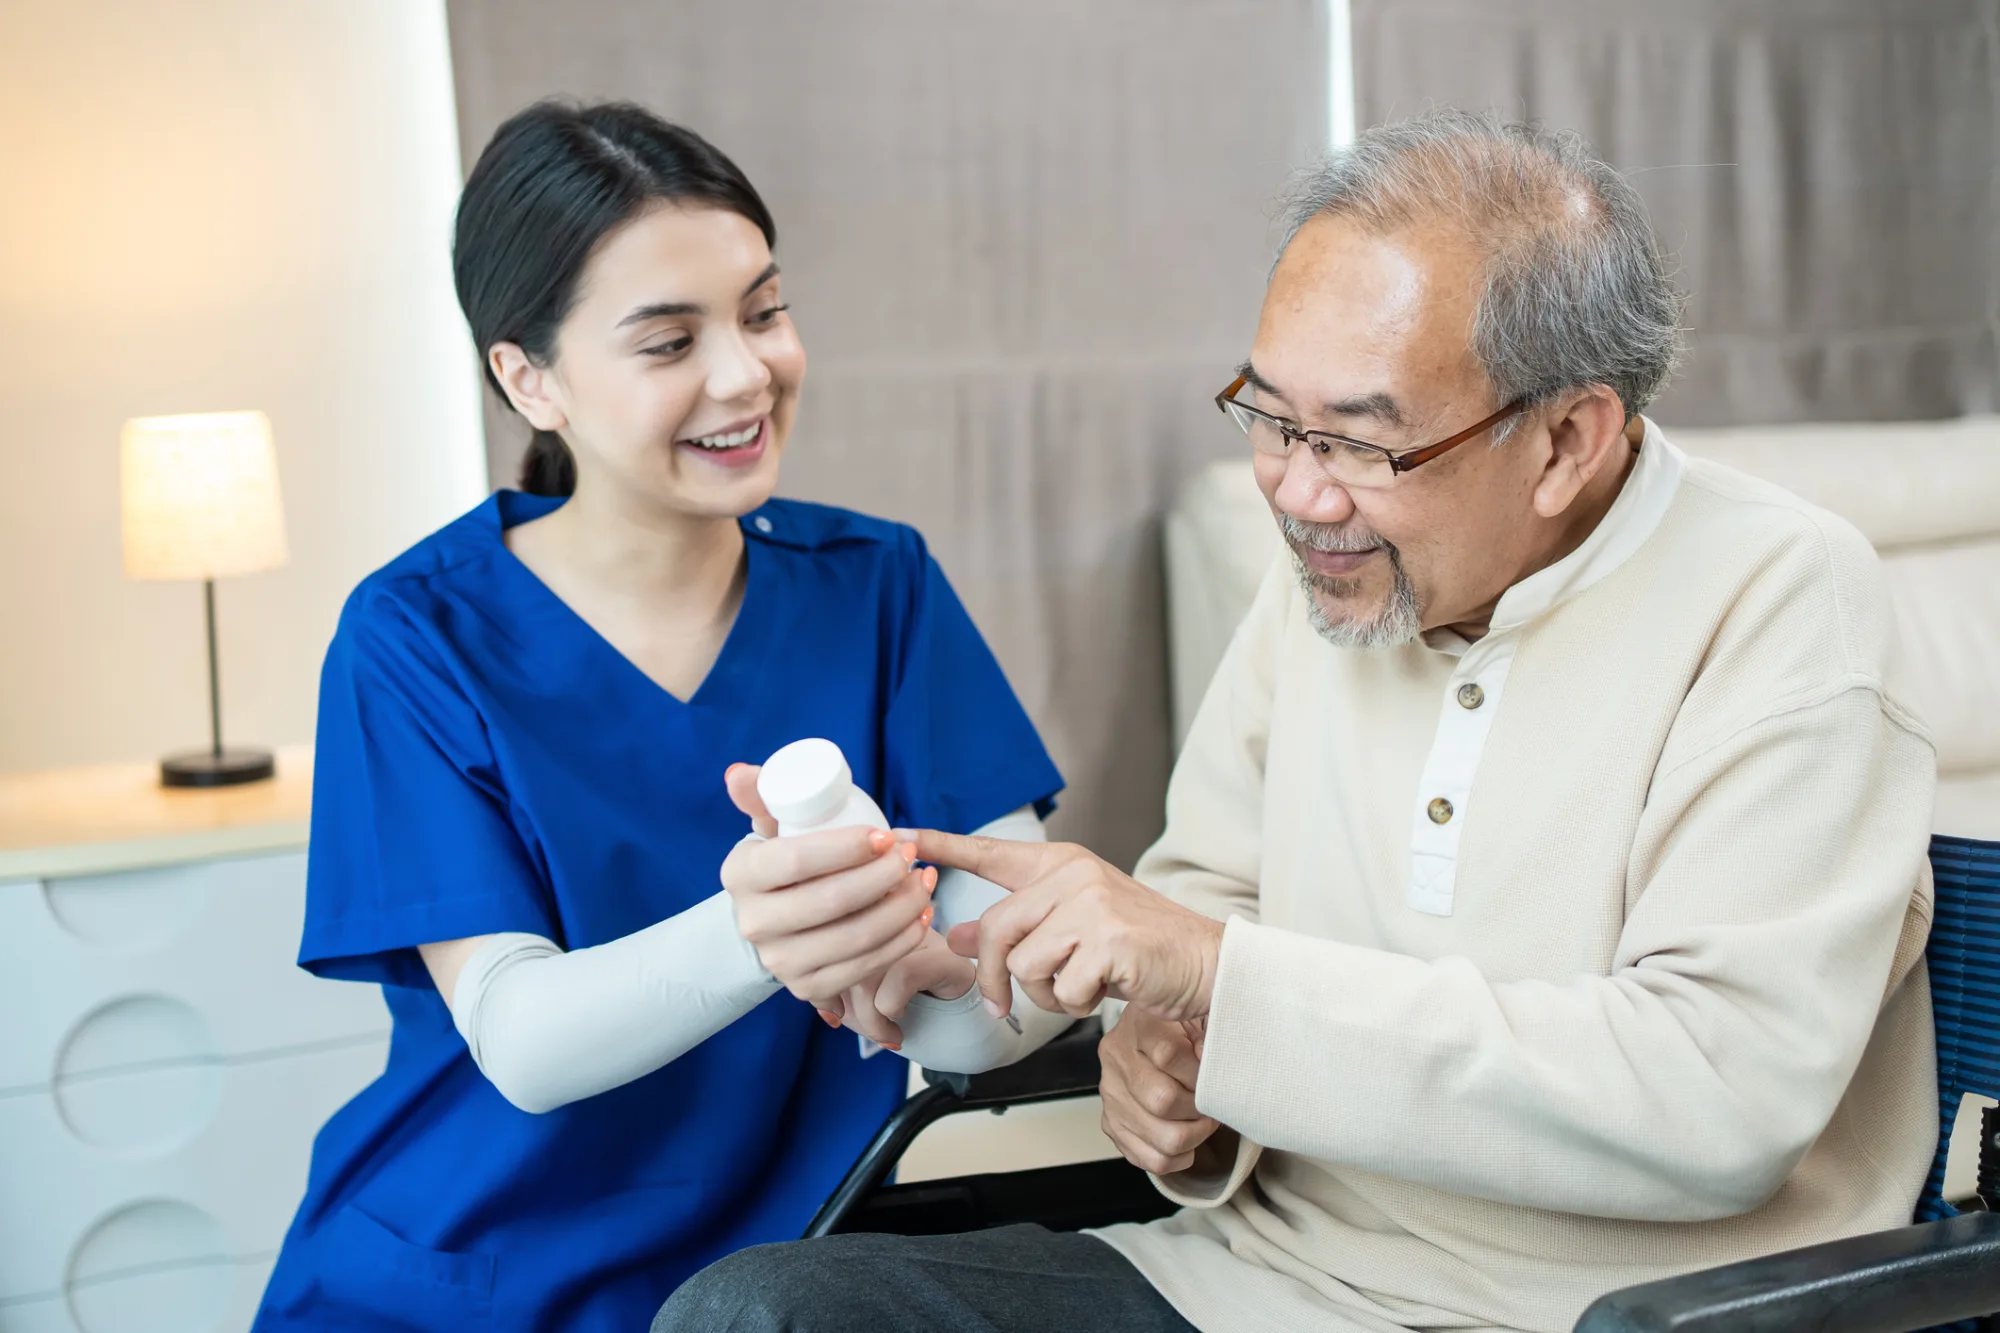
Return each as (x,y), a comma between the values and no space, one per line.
(1347,462)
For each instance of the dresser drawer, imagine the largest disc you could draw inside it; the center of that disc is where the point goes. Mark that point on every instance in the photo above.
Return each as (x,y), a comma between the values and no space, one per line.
(210,1198)
(50,1314)
(198,958)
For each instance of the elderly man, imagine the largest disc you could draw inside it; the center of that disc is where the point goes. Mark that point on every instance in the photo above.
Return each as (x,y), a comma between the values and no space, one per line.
(1542,899)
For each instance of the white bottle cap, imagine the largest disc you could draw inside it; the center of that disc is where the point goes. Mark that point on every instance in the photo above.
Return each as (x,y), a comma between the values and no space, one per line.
(805,782)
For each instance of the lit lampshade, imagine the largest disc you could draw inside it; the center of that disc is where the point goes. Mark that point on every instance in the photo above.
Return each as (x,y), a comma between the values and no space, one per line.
(200,501)
(201,496)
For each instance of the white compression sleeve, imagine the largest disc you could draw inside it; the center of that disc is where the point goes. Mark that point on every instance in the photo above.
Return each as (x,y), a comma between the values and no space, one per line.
(549,1028)
(959,1036)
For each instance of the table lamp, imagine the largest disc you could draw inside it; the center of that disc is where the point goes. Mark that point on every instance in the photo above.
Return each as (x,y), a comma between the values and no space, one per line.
(200,501)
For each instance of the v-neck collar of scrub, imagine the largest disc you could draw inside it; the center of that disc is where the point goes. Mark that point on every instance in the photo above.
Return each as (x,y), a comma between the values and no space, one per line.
(735,664)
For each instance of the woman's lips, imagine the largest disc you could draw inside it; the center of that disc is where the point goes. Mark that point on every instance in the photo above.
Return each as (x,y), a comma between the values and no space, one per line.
(737,456)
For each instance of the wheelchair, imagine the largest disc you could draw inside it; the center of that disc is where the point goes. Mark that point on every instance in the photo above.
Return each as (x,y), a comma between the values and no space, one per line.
(1941,1272)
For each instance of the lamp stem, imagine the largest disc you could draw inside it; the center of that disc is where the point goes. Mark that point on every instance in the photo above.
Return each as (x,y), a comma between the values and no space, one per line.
(214,684)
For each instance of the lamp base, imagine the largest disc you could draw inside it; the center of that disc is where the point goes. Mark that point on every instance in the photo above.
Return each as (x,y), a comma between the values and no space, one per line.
(204,768)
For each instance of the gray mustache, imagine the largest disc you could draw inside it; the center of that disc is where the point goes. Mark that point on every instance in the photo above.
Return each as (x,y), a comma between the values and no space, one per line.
(1330,537)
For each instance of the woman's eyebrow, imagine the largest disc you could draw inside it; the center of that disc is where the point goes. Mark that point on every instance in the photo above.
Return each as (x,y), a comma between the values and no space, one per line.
(662,310)
(670,309)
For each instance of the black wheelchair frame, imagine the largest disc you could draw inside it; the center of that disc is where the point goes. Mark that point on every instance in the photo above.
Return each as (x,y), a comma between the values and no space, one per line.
(1934,1273)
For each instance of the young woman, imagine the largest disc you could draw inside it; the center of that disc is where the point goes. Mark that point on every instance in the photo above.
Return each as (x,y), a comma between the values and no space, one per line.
(595,1086)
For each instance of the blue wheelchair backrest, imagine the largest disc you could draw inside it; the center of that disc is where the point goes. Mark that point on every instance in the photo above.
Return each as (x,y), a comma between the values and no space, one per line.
(1964,957)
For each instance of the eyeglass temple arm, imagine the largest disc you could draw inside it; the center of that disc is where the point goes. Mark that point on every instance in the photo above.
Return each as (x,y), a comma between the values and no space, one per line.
(1418,457)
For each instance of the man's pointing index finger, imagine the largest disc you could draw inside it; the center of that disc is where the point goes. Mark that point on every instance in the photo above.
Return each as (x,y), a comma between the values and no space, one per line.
(1011,865)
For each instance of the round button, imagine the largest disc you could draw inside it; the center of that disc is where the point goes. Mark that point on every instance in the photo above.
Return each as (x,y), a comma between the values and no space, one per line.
(762,524)
(1439,810)
(1470,695)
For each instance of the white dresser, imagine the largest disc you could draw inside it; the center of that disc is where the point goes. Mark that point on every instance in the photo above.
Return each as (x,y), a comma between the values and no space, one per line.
(164,1065)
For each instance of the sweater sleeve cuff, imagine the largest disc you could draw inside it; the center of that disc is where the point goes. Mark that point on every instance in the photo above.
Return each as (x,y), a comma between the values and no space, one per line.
(1272,985)
(1220,1167)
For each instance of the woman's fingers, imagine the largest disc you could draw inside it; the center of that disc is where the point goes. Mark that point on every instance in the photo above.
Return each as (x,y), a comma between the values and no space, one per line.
(865,1017)
(797,958)
(930,967)
(899,983)
(760,867)
(774,913)
(741,782)
(838,976)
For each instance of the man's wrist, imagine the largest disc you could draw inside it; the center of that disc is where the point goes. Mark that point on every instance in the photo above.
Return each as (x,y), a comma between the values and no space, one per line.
(1210,960)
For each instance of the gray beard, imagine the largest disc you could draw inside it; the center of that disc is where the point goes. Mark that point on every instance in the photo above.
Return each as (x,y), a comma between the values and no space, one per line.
(1397,623)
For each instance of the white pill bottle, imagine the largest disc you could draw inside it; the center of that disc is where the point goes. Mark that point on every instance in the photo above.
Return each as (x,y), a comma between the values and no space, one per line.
(807,786)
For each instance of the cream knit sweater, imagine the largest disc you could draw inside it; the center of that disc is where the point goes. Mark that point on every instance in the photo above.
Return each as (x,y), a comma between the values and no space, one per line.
(1649,998)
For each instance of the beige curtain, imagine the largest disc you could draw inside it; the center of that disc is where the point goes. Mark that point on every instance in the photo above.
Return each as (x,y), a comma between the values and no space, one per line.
(1826,174)
(1024,242)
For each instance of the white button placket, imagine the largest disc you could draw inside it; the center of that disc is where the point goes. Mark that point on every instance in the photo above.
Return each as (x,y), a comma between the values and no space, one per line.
(1443,798)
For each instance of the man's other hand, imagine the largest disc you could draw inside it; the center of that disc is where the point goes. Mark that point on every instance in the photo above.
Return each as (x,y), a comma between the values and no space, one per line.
(1150,1066)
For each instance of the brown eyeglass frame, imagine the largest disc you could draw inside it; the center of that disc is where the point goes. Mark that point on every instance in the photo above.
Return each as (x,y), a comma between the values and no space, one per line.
(1406,461)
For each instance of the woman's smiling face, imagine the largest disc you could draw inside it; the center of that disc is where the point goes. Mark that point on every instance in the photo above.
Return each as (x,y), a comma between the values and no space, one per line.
(676,373)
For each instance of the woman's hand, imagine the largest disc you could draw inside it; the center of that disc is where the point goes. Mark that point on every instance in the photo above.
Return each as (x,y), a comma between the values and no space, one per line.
(931,969)
(872,1007)
(824,911)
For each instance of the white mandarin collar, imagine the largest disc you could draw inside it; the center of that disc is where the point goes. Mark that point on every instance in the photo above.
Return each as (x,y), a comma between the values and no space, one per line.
(1633,517)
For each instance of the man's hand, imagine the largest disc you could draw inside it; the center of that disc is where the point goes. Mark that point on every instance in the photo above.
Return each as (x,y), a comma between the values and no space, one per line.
(1150,1066)
(1075,929)
(825,911)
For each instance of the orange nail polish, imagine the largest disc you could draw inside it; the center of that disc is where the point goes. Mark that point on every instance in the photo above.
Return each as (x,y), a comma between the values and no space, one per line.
(892,1046)
(930,879)
(929,912)
(909,854)
(832,1019)
(881,840)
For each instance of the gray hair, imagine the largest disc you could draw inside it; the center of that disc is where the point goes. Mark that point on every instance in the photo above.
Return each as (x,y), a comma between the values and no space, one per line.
(1576,291)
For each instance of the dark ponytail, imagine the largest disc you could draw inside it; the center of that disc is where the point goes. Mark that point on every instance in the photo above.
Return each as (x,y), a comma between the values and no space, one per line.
(552,182)
(548,468)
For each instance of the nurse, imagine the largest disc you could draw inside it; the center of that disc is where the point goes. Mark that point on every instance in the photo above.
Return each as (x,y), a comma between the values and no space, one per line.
(597,1082)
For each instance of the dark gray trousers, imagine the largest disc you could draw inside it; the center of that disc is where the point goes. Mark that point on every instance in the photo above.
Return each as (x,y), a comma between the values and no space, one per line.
(1020,1279)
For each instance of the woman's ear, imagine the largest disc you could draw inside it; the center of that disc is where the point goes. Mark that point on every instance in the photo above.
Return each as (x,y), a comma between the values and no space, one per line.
(529,387)
(1583,437)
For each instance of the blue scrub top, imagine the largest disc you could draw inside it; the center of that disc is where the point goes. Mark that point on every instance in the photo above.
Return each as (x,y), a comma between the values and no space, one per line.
(486,762)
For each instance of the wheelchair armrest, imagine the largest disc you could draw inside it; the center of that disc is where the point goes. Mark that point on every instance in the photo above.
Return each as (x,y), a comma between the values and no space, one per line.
(1065,1067)
(1887,1282)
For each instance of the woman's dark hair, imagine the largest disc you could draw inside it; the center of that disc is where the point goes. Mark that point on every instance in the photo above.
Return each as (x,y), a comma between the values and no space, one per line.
(553,182)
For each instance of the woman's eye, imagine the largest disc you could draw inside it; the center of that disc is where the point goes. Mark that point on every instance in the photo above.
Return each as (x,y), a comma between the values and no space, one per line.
(766,316)
(672,348)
